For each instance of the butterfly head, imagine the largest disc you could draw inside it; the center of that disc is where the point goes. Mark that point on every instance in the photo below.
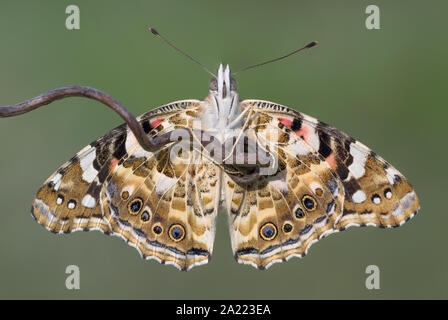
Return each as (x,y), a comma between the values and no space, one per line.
(223,86)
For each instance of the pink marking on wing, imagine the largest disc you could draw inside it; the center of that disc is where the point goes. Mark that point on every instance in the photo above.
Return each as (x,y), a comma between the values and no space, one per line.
(286,122)
(303,132)
(156,122)
(332,161)
(113,164)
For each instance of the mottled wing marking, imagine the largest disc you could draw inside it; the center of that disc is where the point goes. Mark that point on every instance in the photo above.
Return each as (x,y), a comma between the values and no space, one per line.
(281,202)
(376,193)
(358,188)
(169,194)
(84,193)
(68,200)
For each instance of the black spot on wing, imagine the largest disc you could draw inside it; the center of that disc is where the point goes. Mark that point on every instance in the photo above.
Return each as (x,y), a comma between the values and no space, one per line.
(343,157)
(341,169)
(350,187)
(296,124)
(349,157)
(324,144)
(119,146)
(103,173)
(94,189)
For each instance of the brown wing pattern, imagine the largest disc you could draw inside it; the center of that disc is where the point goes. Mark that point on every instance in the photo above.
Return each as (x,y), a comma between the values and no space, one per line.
(164,208)
(369,190)
(280,216)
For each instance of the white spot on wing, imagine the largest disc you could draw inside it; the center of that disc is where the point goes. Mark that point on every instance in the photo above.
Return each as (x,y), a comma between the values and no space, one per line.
(398,210)
(163,184)
(57,179)
(312,138)
(133,147)
(86,163)
(357,168)
(376,200)
(88,201)
(390,174)
(299,148)
(89,174)
(279,182)
(359,196)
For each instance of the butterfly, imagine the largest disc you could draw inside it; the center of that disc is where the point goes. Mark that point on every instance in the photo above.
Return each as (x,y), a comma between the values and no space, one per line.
(285,179)
(165,204)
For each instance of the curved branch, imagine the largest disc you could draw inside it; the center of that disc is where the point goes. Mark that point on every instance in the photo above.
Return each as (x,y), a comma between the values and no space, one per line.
(148,144)
(87,92)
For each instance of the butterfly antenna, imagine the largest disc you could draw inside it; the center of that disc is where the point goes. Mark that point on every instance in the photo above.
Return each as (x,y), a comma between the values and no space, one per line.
(309,45)
(158,35)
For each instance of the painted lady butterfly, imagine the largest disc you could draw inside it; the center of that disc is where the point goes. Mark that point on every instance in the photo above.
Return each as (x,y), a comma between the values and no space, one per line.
(324,182)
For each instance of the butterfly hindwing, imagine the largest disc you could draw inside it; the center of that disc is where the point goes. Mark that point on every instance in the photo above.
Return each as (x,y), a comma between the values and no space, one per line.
(280,216)
(164,207)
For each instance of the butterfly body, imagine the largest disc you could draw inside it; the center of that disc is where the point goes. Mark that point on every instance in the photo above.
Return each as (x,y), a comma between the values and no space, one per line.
(164,203)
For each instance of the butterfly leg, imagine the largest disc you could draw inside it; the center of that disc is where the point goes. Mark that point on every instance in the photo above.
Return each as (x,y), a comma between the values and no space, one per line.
(233,163)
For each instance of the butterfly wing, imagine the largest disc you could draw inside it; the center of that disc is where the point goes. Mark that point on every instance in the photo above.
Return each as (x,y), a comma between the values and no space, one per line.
(329,182)
(113,185)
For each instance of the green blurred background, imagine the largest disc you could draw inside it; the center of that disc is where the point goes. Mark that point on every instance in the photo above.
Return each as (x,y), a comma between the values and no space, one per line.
(385,87)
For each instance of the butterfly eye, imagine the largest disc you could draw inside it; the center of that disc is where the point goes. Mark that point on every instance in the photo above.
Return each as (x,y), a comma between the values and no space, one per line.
(233,84)
(309,202)
(268,231)
(213,85)
(388,193)
(176,232)
(135,205)
(287,227)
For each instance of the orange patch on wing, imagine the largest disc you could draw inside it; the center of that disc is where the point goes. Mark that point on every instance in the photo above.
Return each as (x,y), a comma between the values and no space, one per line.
(113,163)
(331,161)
